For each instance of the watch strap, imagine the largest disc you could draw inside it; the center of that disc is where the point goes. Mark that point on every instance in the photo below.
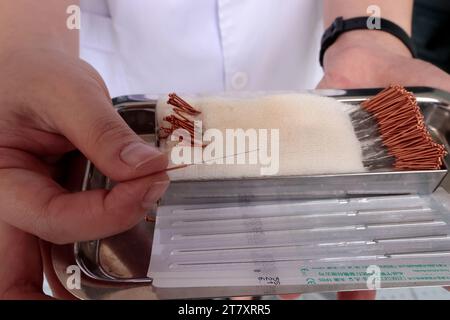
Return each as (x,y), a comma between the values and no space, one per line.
(340,26)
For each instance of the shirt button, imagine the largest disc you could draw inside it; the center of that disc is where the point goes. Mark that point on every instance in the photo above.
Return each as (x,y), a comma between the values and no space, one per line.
(239,80)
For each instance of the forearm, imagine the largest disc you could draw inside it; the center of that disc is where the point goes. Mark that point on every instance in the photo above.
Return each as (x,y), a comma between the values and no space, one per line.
(32,24)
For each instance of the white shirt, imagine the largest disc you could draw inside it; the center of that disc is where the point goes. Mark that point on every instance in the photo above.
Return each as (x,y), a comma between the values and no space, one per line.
(202,46)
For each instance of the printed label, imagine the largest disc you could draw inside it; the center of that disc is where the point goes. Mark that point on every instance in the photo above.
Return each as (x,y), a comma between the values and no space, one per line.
(389,273)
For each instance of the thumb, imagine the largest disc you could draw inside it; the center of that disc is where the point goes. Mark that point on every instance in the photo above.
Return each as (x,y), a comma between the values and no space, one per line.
(97,130)
(35,203)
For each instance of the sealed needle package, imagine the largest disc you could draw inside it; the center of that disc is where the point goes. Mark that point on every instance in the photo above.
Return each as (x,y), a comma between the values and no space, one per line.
(290,243)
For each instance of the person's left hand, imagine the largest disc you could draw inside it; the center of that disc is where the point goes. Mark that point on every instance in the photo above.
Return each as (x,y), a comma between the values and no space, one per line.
(375,59)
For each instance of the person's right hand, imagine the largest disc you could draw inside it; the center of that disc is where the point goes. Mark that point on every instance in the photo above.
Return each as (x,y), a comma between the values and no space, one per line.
(51,103)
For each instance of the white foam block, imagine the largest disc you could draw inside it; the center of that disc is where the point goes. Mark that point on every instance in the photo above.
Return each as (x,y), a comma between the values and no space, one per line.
(315,135)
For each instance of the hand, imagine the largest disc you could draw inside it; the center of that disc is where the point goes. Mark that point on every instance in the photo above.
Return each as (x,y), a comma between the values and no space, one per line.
(50,104)
(365,59)
(371,59)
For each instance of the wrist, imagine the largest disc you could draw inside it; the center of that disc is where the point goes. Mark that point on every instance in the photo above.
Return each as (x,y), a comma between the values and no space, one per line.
(368,41)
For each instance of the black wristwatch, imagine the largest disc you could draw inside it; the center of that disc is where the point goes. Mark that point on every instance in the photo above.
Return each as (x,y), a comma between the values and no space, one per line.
(340,26)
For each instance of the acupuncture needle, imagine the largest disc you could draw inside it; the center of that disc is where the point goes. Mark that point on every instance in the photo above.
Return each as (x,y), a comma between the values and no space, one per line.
(361,227)
(408,255)
(434,238)
(182,166)
(109,184)
(413,203)
(295,215)
(209,161)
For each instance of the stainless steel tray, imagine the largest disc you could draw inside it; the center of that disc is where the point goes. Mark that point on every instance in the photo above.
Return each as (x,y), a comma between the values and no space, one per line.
(116,267)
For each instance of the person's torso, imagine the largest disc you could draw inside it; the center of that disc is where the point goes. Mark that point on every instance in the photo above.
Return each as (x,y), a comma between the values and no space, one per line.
(153,46)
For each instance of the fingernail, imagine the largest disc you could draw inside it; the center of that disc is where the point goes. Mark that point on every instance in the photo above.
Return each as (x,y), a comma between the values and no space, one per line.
(138,154)
(154,193)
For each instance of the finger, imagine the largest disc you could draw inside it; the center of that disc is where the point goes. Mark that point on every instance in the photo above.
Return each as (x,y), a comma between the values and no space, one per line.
(21,274)
(357,295)
(90,122)
(37,204)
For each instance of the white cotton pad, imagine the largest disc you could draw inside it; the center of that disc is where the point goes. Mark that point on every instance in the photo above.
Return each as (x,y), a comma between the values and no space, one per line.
(315,136)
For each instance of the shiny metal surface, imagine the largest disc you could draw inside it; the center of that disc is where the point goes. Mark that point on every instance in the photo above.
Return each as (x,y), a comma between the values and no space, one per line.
(116,267)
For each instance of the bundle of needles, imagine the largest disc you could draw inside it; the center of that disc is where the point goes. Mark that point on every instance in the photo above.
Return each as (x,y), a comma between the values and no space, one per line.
(393,134)
(182,118)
